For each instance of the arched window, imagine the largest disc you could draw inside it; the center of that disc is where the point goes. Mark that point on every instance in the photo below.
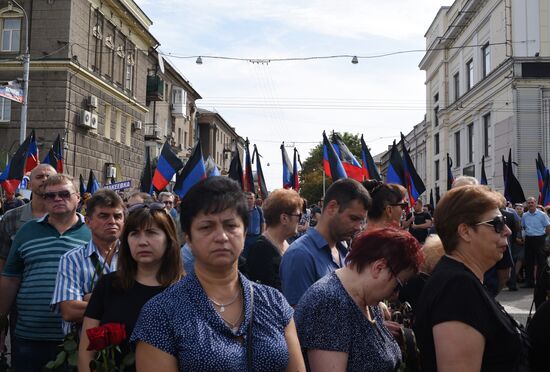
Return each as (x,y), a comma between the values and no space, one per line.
(10,24)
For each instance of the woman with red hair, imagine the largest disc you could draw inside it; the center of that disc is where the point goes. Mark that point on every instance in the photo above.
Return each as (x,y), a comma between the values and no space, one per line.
(339,322)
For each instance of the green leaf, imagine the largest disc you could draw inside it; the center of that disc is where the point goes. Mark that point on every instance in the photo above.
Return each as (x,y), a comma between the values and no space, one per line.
(129,359)
(60,359)
(70,346)
(50,364)
(73,360)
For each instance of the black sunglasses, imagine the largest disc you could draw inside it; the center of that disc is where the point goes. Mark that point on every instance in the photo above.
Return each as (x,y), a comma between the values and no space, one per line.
(150,206)
(299,215)
(400,284)
(498,223)
(64,194)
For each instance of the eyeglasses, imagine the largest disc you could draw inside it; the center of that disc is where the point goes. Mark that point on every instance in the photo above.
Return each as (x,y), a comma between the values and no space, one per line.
(498,223)
(400,284)
(168,202)
(402,205)
(299,215)
(63,194)
(150,206)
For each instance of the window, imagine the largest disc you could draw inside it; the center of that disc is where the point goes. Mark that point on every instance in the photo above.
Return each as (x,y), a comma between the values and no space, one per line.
(486,126)
(436,144)
(5,109)
(436,109)
(486,54)
(436,170)
(11,34)
(456,87)
(457,149)
(470,142)
(469,74)
(107,131)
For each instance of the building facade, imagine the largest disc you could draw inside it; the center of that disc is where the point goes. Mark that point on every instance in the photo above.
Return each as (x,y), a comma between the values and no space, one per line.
(218,139)
(487,69)
(88,63)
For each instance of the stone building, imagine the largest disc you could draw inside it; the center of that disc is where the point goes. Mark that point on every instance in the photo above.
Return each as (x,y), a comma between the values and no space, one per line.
(487,69)
(218,139)
(89,60)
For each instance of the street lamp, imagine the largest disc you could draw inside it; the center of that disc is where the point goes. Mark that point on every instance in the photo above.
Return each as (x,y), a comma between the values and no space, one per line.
(26,63)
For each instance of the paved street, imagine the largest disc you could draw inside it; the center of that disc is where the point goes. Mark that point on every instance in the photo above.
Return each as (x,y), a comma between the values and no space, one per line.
(517,303)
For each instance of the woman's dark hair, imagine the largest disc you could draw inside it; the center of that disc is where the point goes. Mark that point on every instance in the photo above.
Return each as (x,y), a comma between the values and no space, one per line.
(382,194)
(212,195)
(398,247)
(171,268)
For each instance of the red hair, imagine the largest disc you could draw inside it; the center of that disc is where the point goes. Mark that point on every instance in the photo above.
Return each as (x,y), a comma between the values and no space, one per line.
(398,247)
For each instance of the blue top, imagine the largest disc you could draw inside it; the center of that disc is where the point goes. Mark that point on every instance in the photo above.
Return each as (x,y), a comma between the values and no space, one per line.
(182,322)
(327,318)
(255,221)
(34,258)
(535,223)
(307,260)
(188,259)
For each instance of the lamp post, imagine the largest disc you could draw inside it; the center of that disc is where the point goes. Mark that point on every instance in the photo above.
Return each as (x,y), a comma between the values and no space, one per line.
(26,65)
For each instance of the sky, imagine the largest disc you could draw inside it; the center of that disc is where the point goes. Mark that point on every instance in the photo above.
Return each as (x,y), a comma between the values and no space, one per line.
(295,101)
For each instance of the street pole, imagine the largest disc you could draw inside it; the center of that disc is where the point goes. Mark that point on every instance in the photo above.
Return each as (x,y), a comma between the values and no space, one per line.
(324,183)
(26,66)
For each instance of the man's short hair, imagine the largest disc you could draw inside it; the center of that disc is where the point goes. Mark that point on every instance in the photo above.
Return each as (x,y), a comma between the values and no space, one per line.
(346,190)
(60,179)
(165,194)
(143,196)
(104,198)
(464,181)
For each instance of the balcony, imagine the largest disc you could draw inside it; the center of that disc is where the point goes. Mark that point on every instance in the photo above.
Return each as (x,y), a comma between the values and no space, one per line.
(152,132)
(178,110)
(155,88)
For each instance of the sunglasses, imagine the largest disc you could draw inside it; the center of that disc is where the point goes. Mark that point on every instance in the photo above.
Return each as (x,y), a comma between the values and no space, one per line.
(498,223)
(64,194)
(150,206)
(299,215)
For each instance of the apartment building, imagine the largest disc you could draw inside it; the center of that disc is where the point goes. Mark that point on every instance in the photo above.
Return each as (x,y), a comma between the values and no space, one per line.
(487,66)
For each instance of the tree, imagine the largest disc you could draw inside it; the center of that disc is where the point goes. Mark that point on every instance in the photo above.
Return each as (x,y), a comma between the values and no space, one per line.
(311,176)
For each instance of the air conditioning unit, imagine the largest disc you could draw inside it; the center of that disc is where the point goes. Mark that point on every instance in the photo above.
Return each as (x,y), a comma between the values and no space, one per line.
(93,102)
(94,121)
(138,125)
(86,118)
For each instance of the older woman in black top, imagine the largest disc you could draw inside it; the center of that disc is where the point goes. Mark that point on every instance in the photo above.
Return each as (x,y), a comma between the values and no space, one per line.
(459,326)
(282,213)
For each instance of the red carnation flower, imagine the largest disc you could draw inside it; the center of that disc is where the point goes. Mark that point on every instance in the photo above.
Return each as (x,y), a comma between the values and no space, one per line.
(116,333)
(98,337)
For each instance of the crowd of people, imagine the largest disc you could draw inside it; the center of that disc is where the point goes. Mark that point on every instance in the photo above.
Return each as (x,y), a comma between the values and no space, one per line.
(222,281)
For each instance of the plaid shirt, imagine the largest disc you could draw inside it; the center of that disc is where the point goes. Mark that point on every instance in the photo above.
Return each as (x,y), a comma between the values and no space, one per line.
(9,225)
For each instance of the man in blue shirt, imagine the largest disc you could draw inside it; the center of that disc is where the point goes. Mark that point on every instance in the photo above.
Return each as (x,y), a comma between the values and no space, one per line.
(256,222)
(30,272)
(321,250)
(536,225)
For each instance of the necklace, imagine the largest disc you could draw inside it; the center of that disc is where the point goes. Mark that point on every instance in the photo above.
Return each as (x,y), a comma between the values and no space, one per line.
(233,326)
(223,306)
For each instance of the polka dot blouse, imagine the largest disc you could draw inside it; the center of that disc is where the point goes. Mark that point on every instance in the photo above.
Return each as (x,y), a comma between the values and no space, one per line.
(182,322)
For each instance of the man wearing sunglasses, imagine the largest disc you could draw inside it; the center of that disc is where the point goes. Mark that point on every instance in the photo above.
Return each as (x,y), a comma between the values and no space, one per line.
(31,270)
(536,225)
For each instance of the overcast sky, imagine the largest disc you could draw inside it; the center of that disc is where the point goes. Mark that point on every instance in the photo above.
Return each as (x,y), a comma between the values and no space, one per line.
(294,101)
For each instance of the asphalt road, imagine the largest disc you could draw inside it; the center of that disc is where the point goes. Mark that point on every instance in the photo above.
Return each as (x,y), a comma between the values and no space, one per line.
(517,303)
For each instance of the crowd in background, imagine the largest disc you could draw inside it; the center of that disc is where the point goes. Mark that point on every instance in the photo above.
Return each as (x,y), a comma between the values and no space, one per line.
(222,280)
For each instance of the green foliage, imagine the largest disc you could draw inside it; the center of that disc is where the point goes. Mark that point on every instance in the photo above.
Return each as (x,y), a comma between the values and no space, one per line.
(311,177)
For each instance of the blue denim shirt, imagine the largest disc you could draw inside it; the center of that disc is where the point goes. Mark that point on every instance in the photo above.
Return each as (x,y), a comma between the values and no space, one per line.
(307,260)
